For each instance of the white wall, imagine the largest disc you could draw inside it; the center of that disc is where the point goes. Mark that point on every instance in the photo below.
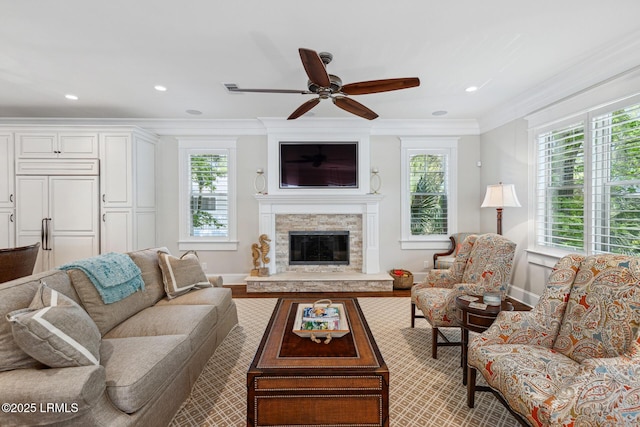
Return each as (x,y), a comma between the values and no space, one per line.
(252,154)
(505,156)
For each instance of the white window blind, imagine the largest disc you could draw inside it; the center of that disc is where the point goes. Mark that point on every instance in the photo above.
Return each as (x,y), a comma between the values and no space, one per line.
(616,181)
(560,188)
(209,194)
(429,194)
(588,184)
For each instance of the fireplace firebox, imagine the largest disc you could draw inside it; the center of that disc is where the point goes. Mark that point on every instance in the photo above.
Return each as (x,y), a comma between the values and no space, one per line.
(319,247)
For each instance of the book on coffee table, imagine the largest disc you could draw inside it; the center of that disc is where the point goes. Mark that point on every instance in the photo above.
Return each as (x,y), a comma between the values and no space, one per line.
(321,320)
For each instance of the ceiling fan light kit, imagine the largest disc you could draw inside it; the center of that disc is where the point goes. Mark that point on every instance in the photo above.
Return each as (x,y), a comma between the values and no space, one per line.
(327,86)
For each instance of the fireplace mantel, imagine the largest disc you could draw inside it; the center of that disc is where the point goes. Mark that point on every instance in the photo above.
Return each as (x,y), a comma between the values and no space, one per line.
(366,205)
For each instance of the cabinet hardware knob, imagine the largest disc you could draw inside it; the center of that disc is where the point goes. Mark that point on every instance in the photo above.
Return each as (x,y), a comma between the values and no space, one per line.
(11,198)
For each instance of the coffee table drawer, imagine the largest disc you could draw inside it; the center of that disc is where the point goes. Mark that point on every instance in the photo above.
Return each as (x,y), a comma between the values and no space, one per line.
(319,410)
(319,383)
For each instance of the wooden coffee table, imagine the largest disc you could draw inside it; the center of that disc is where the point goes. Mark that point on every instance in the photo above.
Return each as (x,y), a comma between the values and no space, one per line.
(293,381)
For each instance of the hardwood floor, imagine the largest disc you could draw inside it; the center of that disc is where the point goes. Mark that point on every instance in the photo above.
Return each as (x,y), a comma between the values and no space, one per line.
(240,291)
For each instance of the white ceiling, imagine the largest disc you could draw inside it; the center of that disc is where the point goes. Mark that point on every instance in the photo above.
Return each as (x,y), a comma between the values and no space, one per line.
(112,53)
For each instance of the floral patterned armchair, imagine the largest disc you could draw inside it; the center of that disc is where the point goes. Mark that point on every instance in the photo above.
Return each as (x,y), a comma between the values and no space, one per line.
(483,264)
(574,359)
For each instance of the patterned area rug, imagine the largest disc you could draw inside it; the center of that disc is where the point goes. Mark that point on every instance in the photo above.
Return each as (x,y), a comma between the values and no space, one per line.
(423,391)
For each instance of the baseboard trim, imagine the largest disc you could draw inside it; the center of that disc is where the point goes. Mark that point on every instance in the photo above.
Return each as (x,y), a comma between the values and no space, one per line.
(523,296)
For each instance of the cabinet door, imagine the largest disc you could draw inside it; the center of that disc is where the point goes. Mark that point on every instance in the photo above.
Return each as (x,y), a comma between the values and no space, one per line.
(116,173)
(31,209)
(116,230)
(7,229)
(7,169)
(37,145)
(78,145)
(74,212)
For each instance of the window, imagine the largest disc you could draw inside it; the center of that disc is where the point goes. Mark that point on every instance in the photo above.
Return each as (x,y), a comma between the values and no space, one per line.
(428,191)
(207,194)
(588,183)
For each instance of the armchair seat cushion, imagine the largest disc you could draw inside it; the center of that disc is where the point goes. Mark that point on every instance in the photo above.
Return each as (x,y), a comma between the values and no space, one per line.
(525,375)
(434,304)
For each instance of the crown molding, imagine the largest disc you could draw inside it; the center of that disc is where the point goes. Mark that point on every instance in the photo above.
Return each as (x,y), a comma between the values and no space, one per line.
(605,64)
(265,125)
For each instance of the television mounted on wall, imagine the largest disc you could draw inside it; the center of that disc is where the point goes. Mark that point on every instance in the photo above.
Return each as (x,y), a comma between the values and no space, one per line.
(319,164)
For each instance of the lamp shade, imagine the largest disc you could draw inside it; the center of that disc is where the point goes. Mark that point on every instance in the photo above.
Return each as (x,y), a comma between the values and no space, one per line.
(500,196)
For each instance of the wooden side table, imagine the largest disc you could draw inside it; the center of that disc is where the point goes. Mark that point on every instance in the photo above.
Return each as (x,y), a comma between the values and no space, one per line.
(476,320)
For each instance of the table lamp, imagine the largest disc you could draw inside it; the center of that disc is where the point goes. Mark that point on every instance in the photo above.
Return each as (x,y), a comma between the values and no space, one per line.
(500,196)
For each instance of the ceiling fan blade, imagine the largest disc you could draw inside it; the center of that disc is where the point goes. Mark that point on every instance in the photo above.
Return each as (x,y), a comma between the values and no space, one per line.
(354,107)
(304,108)
(375,86)
(314,67)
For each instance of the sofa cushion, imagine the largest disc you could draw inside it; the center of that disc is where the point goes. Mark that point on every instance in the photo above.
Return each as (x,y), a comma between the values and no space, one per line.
(56,331)
(107,316)
(218,297)
(602,317)
(18,294)
(196,321)
(180,275)
(139,367)
(147,262)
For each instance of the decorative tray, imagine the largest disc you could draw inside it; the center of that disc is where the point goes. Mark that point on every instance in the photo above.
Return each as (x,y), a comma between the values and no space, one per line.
(322,319)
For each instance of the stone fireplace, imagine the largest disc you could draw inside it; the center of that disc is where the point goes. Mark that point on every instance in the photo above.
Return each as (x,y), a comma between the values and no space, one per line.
(355,214)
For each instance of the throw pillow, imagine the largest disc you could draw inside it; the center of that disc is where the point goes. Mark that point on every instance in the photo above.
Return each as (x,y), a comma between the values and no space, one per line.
(56,331)
(180,275)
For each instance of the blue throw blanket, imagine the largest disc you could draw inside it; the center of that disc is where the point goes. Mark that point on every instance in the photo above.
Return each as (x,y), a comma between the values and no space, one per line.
(114,275)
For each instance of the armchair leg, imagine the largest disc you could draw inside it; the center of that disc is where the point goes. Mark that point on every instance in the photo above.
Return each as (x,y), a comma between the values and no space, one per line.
(413,315)
(471,386)
(434,343)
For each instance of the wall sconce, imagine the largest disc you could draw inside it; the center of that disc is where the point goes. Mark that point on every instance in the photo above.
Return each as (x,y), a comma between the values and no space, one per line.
(376,181)
(500,196)
(259,182)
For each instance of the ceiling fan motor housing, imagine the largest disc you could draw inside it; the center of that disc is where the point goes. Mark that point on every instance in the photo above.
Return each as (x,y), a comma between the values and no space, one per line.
(336,85)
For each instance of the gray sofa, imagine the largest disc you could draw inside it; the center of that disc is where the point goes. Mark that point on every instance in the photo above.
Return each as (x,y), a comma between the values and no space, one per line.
(152,349)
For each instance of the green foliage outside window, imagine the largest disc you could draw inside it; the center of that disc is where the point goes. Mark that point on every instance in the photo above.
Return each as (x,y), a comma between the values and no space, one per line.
(206,169)
(428,194)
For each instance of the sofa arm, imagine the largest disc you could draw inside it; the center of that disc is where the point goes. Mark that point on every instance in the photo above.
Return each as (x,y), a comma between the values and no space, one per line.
(604,392)
(43,396)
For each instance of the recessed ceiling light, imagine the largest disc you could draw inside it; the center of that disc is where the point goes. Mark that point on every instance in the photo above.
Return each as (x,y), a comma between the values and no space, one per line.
(160,88)
(71,97)
(439,113)
(194,112)
(471,89)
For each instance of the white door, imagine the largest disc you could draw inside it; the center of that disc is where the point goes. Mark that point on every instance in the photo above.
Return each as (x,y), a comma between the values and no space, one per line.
(60,212)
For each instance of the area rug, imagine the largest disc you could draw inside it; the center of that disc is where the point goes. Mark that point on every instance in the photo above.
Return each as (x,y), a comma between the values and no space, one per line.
(423,391)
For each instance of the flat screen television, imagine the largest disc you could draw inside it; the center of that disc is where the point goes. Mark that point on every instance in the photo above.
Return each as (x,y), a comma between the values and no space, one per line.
(319,164)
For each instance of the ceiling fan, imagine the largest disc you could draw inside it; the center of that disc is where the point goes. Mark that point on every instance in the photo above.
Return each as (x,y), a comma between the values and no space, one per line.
(327,86)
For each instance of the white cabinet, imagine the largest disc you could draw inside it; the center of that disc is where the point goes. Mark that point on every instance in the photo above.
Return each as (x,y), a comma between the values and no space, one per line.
(63,145)
(7,228)
(127,190)
(60,212)
(7,191)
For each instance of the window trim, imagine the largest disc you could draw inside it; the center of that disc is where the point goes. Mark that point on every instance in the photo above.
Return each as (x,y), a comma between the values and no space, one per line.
(206,145)
(427,145)
(585,116)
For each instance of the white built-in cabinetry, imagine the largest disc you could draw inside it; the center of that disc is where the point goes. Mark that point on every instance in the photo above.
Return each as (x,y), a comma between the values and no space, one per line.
(78,191)
(127,191)
(7,191)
